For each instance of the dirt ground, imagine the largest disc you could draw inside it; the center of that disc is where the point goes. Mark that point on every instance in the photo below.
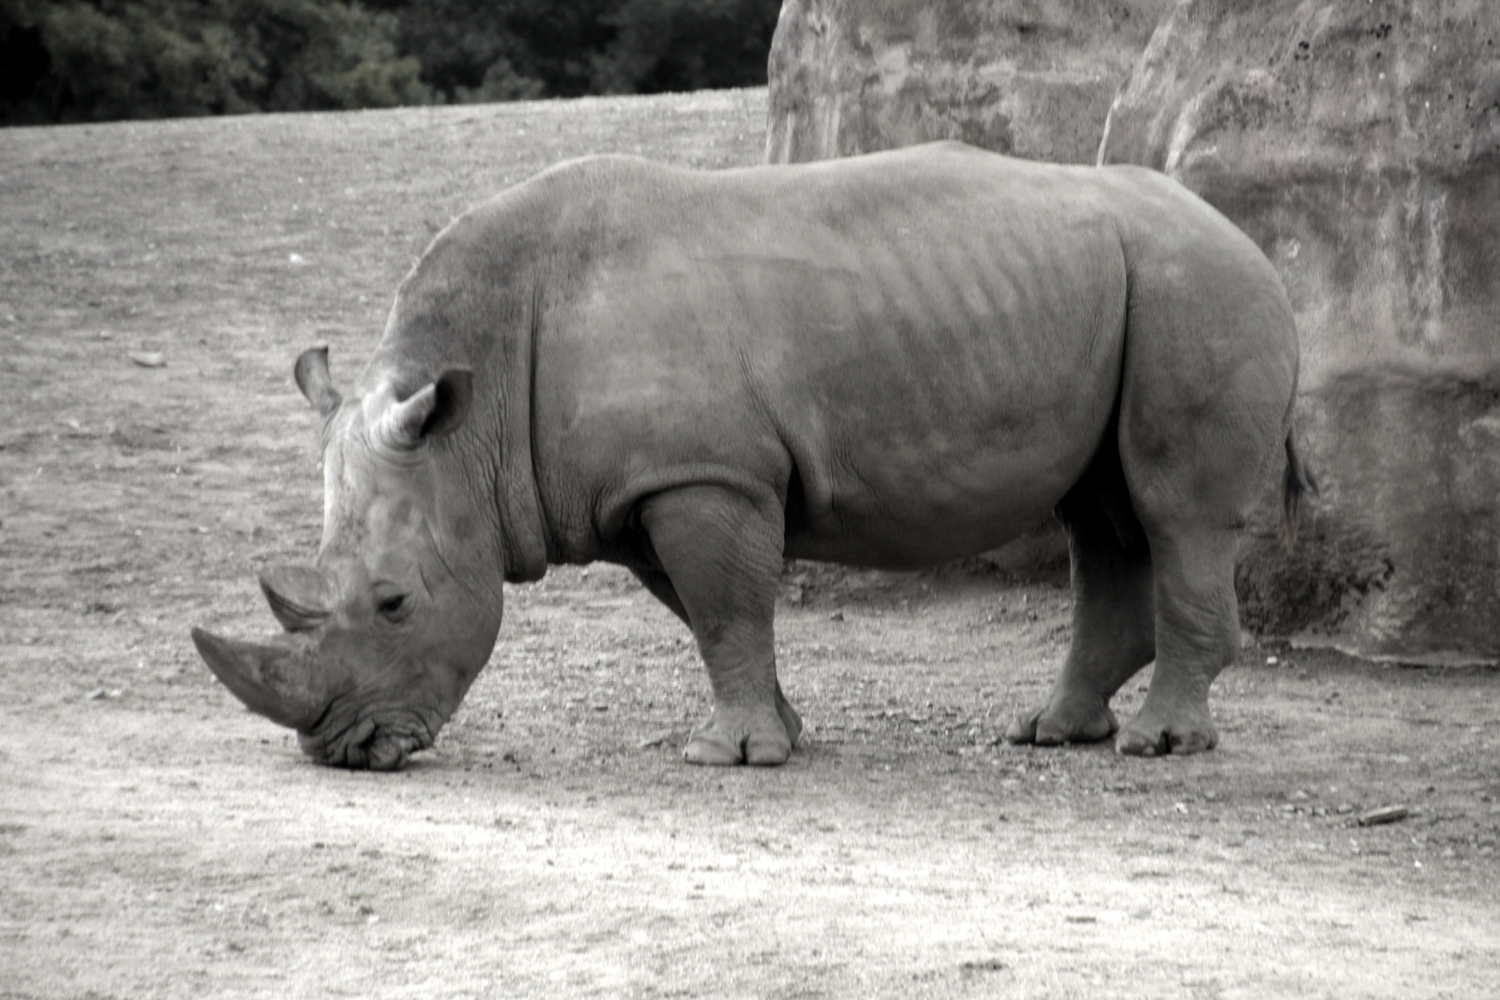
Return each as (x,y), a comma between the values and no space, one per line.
(156,840)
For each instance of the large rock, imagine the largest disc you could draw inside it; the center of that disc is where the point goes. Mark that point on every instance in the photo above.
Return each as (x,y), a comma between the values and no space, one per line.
(1359,144)
(1032,78)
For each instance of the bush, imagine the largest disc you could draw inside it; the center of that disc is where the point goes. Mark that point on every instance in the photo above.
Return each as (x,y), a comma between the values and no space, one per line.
(681,45)
(94,60)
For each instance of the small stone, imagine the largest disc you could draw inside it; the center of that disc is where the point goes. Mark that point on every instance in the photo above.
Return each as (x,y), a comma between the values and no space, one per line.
(148,359)
(837,616)
(94,695)
(1383,815)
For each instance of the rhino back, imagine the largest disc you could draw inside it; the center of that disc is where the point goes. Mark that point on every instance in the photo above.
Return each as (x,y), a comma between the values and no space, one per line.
(916,353)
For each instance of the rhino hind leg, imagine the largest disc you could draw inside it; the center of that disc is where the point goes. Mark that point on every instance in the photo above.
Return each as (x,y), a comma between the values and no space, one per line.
(1197,635)
(720,555)
(1209,376)
(1113,612)
(1193,484)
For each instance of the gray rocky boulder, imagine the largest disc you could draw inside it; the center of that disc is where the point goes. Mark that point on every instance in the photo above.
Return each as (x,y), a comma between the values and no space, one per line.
(1032,78)
(1359,144)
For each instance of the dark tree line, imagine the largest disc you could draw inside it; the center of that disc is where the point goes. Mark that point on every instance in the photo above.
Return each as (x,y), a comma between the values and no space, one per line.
(98,60)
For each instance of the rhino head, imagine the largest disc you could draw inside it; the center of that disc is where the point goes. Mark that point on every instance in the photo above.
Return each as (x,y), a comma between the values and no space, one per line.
(385,633)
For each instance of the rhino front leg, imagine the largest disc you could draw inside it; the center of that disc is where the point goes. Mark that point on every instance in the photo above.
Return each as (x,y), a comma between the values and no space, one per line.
(721,554)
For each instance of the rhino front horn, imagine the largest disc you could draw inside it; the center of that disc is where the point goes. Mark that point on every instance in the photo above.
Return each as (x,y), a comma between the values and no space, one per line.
(278,681)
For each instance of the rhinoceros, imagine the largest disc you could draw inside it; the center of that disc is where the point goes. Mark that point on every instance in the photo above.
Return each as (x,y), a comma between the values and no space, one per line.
(889,361)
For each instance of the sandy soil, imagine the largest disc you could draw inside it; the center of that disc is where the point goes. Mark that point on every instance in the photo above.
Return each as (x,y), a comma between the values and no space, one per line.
(156,840)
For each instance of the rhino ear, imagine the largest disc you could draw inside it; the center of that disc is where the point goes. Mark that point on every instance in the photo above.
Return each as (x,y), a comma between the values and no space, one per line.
(434,410)
(311,373)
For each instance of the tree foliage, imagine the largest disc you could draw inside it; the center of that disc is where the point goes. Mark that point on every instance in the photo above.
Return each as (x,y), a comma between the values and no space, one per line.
(95,60)
(507,49)
(679,45)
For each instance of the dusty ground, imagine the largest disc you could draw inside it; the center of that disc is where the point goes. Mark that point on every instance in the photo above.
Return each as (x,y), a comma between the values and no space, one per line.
(158,841)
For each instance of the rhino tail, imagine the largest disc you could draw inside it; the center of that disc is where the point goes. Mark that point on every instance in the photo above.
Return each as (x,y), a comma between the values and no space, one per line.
(1297,482)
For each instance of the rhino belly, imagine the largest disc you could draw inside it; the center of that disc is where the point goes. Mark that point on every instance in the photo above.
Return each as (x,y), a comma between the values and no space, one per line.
(904,504)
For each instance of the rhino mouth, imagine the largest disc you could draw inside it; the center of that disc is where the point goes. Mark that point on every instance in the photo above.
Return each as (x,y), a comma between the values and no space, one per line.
(370,742)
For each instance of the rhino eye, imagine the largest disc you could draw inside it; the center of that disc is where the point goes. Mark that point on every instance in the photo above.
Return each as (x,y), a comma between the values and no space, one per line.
(391,606)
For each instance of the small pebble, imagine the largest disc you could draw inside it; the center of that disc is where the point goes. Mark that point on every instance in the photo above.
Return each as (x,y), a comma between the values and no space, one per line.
(149,359)
(1385,814)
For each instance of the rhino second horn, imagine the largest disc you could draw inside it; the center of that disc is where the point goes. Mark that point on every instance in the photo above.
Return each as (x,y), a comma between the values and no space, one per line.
(278,681)
(300,596)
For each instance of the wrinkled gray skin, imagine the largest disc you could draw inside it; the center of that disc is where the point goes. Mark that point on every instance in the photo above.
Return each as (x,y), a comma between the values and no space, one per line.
(890,361)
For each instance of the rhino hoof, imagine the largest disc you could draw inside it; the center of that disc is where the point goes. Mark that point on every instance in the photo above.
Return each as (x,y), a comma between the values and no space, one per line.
(1141,738)
(722,743)
(1083,721)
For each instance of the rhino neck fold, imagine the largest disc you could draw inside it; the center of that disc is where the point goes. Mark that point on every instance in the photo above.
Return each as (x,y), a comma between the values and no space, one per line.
(527,535)
(432,327)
